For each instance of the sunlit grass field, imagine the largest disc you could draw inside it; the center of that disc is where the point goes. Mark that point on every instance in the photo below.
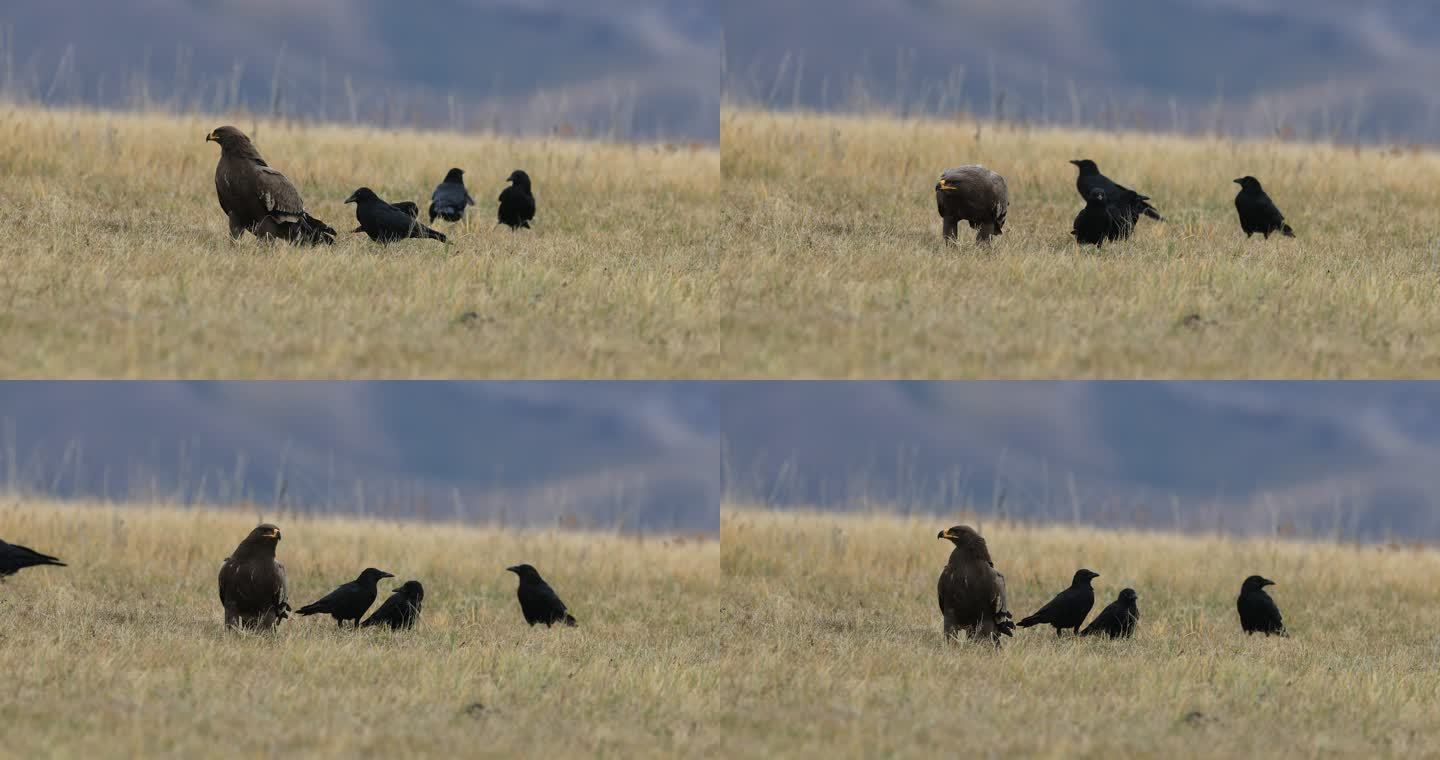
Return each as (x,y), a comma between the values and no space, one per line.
(834,264)
(834,641)
(123,653)
(116,261)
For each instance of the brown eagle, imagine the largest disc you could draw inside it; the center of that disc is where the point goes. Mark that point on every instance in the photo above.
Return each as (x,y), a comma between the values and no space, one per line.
(260,199)
(975,195)
(252,582)
(971,590)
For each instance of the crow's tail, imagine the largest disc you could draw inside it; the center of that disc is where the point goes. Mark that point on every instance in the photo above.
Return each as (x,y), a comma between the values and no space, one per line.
(312,231)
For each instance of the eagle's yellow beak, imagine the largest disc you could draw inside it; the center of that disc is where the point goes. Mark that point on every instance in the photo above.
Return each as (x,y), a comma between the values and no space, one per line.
(944,186)
(943,534)
(211,137)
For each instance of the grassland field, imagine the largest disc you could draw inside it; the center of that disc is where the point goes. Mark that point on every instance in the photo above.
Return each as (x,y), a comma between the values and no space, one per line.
(835,268)
(116,261)
(805,246)
(123,652)
(831,623)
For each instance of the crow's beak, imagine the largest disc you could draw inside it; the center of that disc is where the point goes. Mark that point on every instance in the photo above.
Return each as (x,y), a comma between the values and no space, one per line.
(1075,161)
(384,574)
(1236,181)
(352,199)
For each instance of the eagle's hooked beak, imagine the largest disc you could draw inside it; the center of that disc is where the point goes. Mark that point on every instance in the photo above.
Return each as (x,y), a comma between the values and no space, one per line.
(210,137)
(943,534)
(273,533)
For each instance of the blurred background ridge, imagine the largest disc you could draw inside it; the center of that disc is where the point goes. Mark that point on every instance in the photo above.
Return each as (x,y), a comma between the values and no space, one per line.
(626,69)
(1346,460)
(1317,69)
(613,456)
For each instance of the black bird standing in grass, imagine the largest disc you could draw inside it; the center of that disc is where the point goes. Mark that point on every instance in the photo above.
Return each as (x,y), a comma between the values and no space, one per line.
(1257,212)
(1069,607)
(252,582)
(1118,619)
(539,602)
(517,204)
(409,207)
(350,601)
(1258,613)
(14,558)
(258,198)
(1128,204)
(401,610)
(450,198)
(1096,222)
(971,591)
(385,223)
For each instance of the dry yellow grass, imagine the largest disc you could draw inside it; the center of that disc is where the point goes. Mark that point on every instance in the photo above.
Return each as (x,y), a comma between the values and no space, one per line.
(832,626)
(122,654)
(834,267)
(116,261)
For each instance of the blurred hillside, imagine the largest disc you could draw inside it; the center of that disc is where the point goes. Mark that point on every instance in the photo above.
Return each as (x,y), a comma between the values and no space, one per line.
(1346,459)
(630,68)
(630,455)
(1309,68)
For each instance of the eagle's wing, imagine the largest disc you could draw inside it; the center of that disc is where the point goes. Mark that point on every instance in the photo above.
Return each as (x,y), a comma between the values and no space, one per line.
(278,195)
(1000,605)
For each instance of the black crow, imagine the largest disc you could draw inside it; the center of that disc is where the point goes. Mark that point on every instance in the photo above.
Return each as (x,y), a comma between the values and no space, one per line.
(350,601)
(517,204)
(1069,607)
(14,558)
(1258,613)
(450,198)
(1129,204)
(1257,212)
(971,591)
(410,208)
(538,602)
(385,223)
(252,582)
(258,198)
(1118,619)
(401,610)
(1095,223)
